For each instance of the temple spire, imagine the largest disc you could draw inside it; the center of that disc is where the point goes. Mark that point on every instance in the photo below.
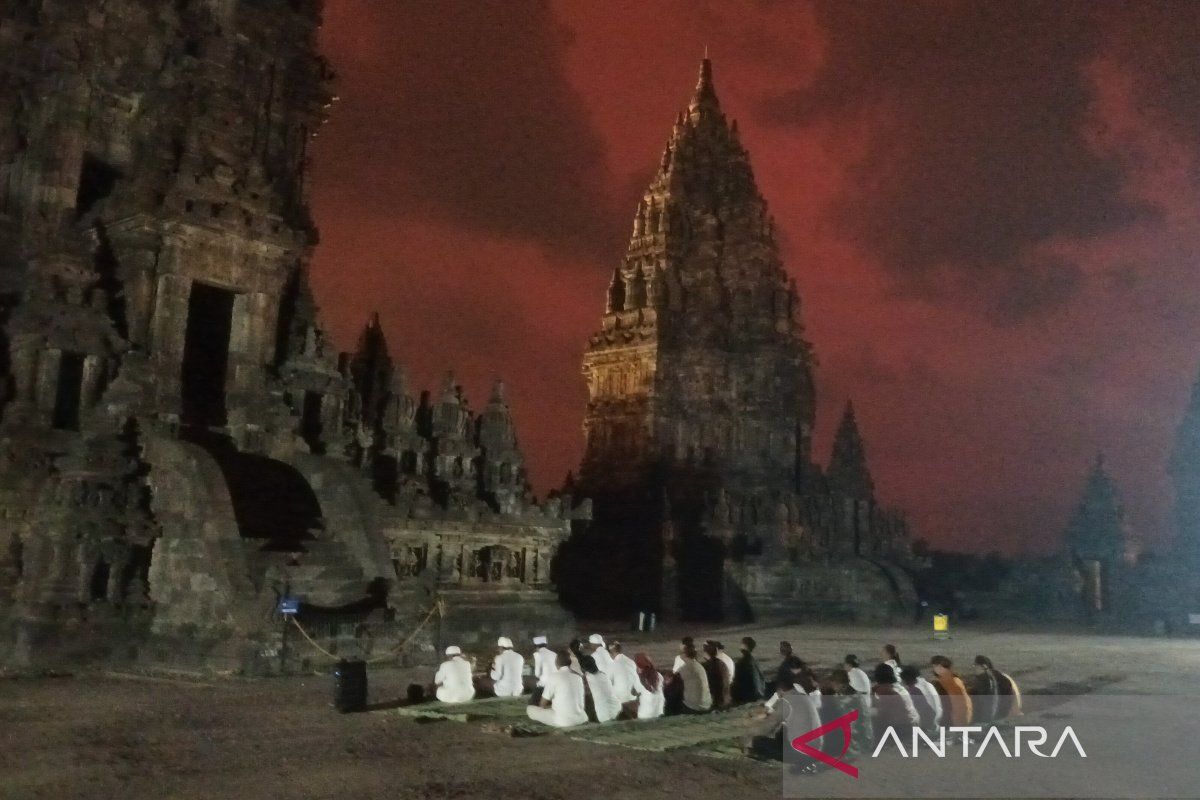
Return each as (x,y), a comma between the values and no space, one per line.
(371,369)
(705,95)
(848,471)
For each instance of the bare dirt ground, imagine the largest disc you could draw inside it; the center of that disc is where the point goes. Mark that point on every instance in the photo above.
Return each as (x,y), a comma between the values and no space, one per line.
(131,737)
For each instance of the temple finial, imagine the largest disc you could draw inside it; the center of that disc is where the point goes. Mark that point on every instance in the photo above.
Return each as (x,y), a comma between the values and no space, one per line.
(705,93)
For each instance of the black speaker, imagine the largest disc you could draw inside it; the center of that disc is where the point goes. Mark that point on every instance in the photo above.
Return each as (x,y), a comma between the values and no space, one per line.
(350,686)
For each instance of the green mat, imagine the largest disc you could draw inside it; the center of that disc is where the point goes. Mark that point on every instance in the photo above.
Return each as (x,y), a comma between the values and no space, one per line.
(668,733)
(718,733)
(491,709)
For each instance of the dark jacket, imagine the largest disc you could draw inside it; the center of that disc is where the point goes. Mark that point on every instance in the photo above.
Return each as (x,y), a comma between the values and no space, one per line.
(749,685)
(924,709)
(718,679)
(985,694)
(1009,700)
(787,669)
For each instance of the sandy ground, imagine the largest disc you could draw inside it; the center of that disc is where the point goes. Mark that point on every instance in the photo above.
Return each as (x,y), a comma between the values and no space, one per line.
(132,737)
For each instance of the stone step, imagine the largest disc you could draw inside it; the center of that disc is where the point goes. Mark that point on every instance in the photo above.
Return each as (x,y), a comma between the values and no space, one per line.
(325,548)
(332,594)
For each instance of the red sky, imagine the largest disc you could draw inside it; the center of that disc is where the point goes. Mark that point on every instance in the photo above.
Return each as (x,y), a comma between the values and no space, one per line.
(990,208)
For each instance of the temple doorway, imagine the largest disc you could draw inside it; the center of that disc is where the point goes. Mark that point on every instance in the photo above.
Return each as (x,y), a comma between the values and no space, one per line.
(68,398)
(206,355)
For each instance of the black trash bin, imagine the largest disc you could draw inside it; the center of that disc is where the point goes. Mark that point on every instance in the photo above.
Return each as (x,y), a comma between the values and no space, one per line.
(350,686)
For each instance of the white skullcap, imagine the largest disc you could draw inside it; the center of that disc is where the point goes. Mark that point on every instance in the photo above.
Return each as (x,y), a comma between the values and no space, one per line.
(539,640)
(596,638)
(453,650)
(504,641)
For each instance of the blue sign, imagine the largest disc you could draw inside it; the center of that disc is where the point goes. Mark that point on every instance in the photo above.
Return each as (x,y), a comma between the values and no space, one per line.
(289,605)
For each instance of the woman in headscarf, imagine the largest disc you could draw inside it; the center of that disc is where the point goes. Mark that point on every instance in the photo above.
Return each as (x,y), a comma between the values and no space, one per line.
(891,657)
(984,691)
(649,688)
(1008,694)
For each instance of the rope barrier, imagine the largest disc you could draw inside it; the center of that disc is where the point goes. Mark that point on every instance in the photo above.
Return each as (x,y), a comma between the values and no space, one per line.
(439,607)
(310,640)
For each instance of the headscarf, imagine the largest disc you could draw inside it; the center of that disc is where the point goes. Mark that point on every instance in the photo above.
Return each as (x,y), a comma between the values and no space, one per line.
(647,673)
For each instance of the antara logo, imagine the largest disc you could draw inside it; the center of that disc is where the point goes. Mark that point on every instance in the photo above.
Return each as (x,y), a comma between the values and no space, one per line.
(1032,737)
(842,723)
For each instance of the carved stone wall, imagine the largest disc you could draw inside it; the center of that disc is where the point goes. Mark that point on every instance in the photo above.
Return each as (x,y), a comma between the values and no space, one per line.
(180,444)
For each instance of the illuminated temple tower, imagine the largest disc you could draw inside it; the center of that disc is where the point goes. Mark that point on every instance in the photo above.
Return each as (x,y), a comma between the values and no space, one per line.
(701,402)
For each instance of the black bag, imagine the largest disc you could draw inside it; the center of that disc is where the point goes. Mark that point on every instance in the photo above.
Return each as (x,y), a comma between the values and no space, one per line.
(350,686)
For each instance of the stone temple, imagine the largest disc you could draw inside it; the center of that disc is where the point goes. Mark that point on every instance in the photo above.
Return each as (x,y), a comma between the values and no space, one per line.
(700,414)
(180,445)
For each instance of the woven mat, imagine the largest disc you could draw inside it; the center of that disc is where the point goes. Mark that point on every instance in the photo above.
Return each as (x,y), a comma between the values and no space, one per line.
(490,709)
(718,732)
(669,733)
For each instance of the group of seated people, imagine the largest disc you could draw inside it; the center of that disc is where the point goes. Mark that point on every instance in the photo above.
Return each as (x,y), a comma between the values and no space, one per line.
(585,681)
(894,695)
(593,681)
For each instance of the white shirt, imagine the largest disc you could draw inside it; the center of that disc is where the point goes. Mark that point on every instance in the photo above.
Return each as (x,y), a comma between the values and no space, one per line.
(604,662)
(564,690)
(860,683)
(453,679)
(678,663)
(650,703)
(603,698)
(906,701)
(931,694)
(506,672)
(543,664)
(696,695)
(624,677)
(724,658)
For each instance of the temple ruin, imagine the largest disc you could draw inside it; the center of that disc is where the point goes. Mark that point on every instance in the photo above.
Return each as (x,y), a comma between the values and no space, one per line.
(700,416)
(181,446)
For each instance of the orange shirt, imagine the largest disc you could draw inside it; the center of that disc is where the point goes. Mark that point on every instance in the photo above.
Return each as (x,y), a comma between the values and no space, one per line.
(960,702)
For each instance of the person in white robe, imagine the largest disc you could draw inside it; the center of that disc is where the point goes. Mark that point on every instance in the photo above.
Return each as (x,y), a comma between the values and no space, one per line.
(604,699)
(453,678)
(604,661)
(562,701)
(624,674)
(649,689)
(543,660)
(506,670)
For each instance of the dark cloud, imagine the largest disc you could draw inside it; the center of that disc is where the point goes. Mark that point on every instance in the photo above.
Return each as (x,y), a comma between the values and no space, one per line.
(461,111)
(979,151)
(1156,42)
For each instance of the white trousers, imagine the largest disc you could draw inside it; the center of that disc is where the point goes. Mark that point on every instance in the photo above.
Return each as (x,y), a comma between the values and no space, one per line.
(546,716)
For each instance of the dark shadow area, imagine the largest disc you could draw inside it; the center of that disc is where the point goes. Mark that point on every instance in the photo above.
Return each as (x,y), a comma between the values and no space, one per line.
(68,397)
(206,355)
(97,179)
(310,422)
(271,500)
